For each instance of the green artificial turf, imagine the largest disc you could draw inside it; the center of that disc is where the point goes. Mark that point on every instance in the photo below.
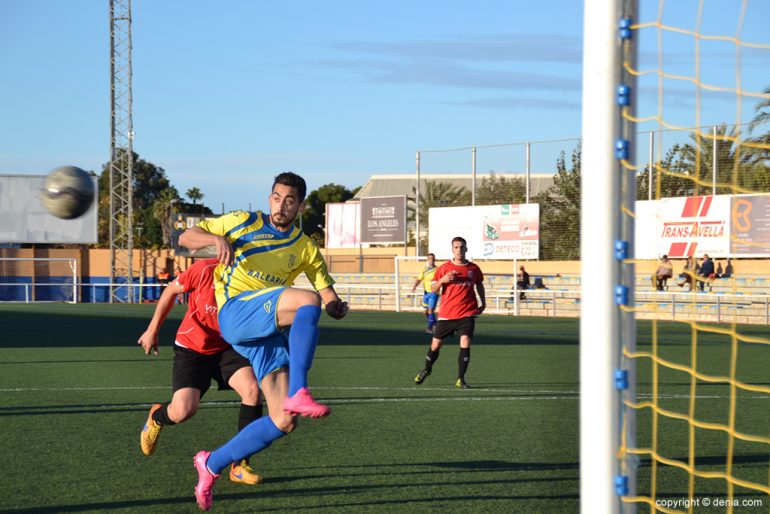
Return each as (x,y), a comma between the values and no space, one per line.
(75,390)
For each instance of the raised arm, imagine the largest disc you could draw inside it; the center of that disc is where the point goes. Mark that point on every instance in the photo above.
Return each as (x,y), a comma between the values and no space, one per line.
(149,340)
(195,238)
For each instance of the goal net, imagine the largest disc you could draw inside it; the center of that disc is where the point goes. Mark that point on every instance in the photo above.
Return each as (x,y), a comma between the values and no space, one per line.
(675,158)
(38,280)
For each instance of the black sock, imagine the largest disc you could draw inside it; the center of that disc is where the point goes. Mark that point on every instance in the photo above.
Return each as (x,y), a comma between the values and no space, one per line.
(430,358)
(462,362)
(160,416)
(246,415)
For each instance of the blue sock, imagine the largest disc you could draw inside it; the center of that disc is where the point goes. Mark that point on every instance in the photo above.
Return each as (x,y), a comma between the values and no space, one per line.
(302,341)
(255,437)
(431,320)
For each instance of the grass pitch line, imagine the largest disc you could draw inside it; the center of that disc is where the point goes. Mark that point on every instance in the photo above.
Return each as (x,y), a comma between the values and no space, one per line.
(531,394)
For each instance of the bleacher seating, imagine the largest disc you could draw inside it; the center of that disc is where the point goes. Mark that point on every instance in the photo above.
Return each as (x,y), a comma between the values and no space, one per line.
(561,296)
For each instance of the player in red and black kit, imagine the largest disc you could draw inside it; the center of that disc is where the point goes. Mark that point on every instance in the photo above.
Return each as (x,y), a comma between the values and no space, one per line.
(456,279)
(200,355)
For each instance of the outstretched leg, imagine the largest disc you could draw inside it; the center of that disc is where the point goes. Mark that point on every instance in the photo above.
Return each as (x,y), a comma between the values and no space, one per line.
(301,310)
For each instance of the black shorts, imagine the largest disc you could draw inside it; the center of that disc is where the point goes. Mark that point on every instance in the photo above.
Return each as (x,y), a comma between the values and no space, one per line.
(447,327)
(192,369)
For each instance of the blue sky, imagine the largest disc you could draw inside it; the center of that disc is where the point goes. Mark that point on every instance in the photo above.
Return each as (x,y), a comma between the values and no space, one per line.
(227,94)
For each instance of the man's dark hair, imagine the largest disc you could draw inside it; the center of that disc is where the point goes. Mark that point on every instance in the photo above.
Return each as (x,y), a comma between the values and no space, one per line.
(431,255)
(458,238)
(287,178)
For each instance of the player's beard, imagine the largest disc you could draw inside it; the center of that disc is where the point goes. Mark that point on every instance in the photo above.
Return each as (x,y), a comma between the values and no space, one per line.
(284,220)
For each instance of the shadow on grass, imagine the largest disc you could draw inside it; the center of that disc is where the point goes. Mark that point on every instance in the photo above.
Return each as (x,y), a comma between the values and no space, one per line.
(100,325)
(323,493)
(105,325)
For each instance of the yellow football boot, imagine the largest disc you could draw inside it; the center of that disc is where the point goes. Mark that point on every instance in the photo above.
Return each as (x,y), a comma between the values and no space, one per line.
(243,474)
(150,432)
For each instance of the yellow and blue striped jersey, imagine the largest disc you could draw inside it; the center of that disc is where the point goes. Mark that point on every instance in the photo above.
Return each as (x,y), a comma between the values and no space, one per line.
(426,275)
(264,256)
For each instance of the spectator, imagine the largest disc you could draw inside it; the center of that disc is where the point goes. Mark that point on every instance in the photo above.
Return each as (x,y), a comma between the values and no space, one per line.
(163,278)
(687,276)
(728,270)
(706,273)
(719,270)
(664,272)
(522,281)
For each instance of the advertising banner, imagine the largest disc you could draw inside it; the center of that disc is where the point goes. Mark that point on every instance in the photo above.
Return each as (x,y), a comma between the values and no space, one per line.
(181,223)
(722,226)
(342,225)
(383,220)
(683,227)
(510,231)
(750,226)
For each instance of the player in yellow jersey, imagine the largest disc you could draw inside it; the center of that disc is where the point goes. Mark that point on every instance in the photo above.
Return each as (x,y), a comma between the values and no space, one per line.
(429,298)
(260,256)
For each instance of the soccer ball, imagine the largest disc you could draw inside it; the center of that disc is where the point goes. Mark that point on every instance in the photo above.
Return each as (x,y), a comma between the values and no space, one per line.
(68,192)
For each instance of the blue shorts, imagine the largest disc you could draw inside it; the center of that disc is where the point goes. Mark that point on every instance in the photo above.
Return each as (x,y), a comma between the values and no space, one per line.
(267,355)
(250,316)
(429,300)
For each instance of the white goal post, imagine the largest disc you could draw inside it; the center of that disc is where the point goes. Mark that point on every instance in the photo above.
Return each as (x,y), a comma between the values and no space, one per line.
(28,280)
(606,477)
(397,274)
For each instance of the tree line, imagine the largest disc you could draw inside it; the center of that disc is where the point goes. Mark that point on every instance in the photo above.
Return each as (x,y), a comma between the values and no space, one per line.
(685,170)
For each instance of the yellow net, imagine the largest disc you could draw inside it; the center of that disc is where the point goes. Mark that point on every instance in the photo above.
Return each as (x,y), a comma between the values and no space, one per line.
(701,414)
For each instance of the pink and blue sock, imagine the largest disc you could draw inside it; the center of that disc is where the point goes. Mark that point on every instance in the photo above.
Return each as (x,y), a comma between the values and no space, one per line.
(302,342)
(253,438)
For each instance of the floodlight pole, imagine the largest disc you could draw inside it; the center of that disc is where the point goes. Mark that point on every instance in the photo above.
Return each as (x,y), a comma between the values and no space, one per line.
(121,165)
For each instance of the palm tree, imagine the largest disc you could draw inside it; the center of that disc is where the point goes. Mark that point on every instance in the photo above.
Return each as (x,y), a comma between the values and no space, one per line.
(687,169)
(163,210)
(740,167)
(759,152)
(496,189)
(195,194)
(435,194)
(762,110)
